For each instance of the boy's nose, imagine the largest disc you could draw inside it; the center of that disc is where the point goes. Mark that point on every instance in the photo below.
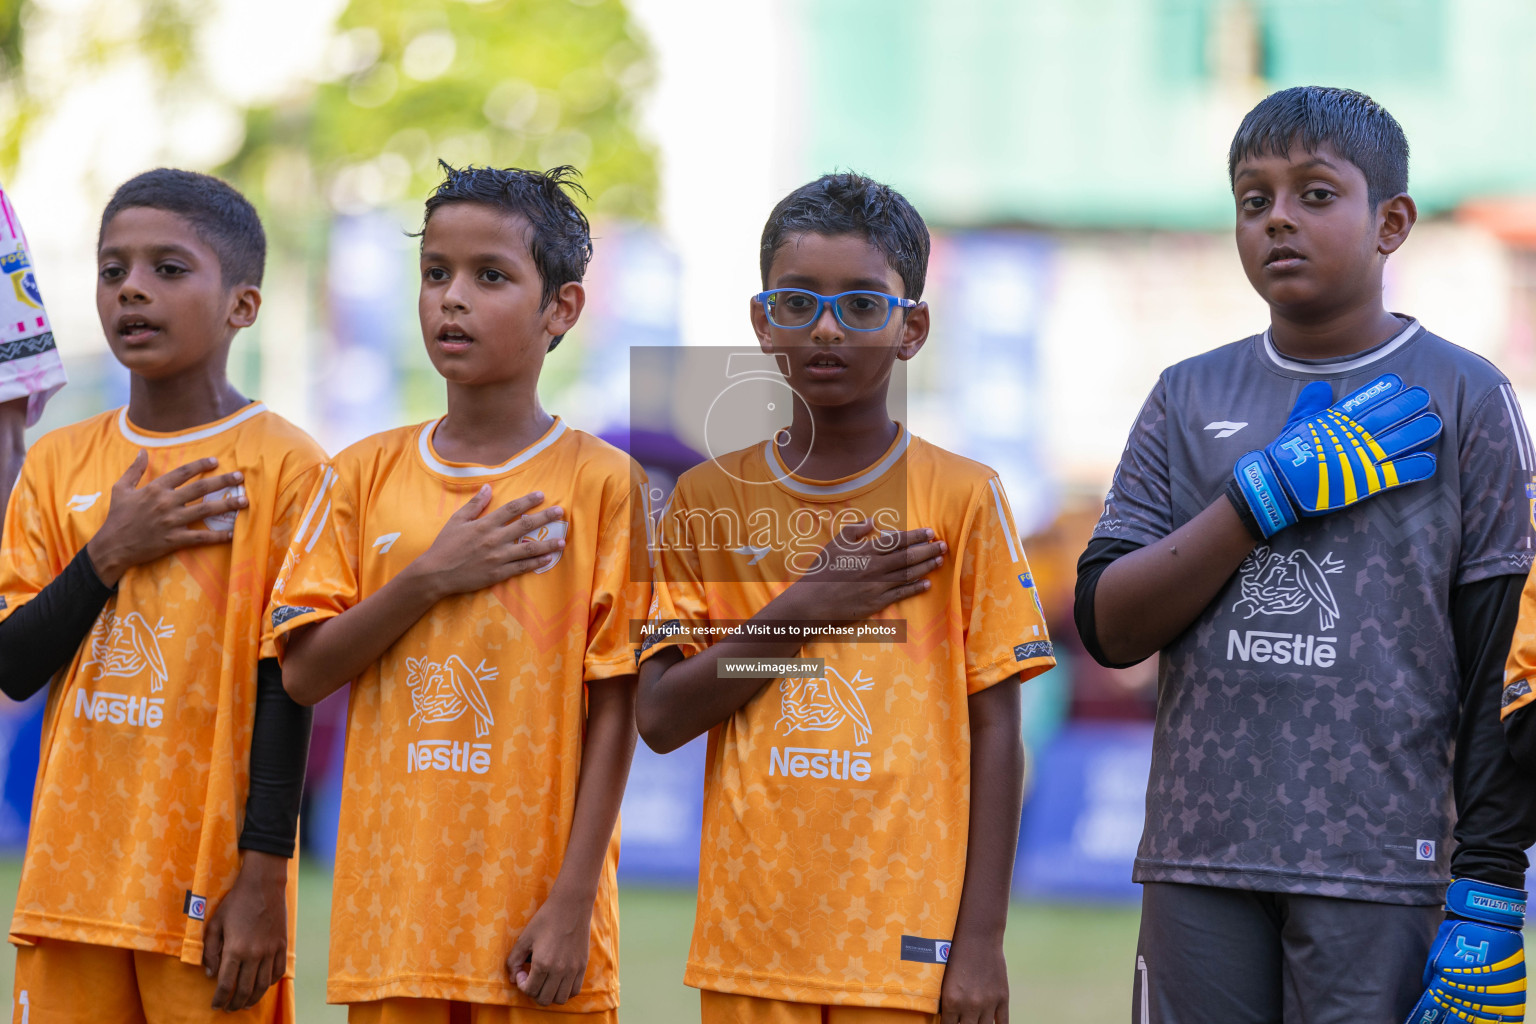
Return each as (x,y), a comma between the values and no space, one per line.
(826,327)
(131,289)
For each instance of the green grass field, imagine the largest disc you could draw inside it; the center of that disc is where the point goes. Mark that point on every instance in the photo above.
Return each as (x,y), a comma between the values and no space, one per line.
(1066,964)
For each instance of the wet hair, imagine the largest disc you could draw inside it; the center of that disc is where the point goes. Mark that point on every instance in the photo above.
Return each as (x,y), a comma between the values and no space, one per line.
(851,204)
(220,216)
(560,241)
(1310,116)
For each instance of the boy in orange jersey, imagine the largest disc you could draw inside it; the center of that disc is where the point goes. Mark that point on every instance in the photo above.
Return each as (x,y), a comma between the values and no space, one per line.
(139,552)
(491,721)
(861,813)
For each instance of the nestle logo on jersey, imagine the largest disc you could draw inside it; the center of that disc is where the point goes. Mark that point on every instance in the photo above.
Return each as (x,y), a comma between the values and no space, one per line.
(1264,647)
(119,708)
(447,756)
(819,763)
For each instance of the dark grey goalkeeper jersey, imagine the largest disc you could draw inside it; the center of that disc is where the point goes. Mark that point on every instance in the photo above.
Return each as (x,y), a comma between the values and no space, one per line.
(1305,721)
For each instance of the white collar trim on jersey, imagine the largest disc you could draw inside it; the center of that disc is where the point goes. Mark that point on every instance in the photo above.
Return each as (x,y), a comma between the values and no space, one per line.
(1330,369)
(782,474)
(170,440)
(424,444)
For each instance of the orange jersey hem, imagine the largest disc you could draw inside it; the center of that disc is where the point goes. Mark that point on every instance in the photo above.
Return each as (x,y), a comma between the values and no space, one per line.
(28,928)
(808,990)
(458,989)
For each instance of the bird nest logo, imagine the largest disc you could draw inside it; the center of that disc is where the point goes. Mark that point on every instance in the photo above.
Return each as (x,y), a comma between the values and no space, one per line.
(443,691)
(123,646)
(1276,584)
(821,705)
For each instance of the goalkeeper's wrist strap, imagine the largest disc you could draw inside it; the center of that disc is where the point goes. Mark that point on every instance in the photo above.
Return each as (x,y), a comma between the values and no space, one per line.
(1492,904)
(1258,496)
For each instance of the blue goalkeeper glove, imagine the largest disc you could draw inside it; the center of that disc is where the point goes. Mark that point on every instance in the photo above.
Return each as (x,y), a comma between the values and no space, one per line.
(1328,457)
(1476,969)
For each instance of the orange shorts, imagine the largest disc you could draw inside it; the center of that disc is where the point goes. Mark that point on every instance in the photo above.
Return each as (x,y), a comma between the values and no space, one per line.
(443,1011)
(725,1008)
(60,982)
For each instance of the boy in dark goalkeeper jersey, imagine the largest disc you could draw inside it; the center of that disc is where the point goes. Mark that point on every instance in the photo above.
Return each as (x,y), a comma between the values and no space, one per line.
(1331,612)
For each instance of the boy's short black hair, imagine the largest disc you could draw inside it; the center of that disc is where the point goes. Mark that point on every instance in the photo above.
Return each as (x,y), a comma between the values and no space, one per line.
(851,204)
(220,216)
(1357,127)
(561,240)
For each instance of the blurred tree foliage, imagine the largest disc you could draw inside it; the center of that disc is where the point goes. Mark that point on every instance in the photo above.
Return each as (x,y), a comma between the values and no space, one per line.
(161,31)
(530,83)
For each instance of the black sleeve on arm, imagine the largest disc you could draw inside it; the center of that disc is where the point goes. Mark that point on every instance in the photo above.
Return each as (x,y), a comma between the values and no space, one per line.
(1101,551)
(279,753)
(42,635)
(1495,797)
(1520,734)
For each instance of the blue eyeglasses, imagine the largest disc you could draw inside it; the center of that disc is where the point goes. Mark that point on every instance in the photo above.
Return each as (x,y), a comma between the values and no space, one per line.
(857,311)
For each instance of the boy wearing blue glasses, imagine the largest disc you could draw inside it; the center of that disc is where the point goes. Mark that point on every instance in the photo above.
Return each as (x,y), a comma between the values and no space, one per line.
(847,611)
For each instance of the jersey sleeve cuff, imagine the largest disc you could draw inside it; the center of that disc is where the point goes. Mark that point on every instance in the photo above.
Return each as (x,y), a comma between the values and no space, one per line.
(288,617)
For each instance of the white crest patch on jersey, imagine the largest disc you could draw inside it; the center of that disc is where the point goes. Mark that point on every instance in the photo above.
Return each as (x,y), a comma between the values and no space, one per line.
(224,520)
(556,530)
(81,502)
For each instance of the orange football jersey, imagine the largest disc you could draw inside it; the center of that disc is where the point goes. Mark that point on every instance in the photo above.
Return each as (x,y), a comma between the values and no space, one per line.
(836,807)
(1520,668)
(464,740)
(146,738)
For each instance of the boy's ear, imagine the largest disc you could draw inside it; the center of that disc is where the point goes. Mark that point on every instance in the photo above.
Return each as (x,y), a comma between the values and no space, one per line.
(760,325)
(914,331)
(565,308)
(1395,217)
(245,303)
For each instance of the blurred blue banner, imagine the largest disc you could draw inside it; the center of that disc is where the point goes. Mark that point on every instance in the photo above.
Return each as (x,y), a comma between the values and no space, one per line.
(662,815)
(1083,819)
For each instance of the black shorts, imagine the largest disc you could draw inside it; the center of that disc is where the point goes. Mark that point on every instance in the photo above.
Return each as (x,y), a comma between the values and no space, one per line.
(1234,956)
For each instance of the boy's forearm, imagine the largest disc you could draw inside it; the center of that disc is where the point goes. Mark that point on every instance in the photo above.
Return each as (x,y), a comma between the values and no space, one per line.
(688,698)
(41,636)
(322,658)
(1148,597)
(997,800)
(605,758)
(13,446)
